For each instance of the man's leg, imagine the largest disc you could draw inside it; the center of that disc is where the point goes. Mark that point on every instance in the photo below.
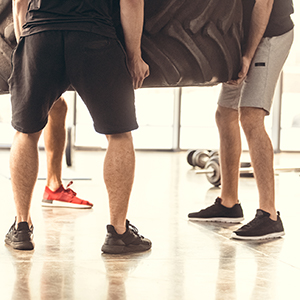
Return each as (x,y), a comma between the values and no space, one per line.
(55,138)
(226,207)
(55,194)
(119,167)
(24,170)
(227,120)
(267,223)
(261,152)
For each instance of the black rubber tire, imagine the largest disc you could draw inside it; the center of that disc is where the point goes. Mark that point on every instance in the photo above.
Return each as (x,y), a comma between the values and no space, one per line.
(185,43)
(7,43)
(191,43)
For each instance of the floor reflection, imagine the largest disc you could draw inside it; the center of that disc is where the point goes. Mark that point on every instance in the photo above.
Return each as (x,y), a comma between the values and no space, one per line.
(118,269)
(57,279)
(22,261)
(267,268)
(260,269)
(226,280)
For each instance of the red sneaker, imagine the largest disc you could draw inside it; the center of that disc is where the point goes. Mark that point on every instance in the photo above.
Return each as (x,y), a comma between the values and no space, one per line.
(64,198)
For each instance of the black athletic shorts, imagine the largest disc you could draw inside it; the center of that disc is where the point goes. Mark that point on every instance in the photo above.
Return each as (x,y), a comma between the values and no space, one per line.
(47,63)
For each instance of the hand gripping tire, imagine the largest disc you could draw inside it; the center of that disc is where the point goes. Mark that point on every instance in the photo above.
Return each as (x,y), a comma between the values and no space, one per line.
(191,43)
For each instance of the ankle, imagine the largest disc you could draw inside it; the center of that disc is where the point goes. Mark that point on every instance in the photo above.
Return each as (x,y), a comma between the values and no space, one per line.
(272,212)
(53,186)
(229,203)
(19,220)
(119,227)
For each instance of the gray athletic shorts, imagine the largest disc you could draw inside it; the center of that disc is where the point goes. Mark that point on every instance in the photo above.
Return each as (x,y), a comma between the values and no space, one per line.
(47,63)
(258,88)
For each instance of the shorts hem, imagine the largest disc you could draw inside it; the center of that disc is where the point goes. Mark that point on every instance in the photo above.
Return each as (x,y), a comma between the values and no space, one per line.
(110,132)
(228,106)
(23,130)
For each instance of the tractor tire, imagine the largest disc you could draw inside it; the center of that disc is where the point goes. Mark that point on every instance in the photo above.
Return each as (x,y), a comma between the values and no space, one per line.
(191,43)
(7,43)
(185,42)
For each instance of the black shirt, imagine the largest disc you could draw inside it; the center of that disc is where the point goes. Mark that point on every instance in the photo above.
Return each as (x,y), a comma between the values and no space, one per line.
(83,15)
(280,20)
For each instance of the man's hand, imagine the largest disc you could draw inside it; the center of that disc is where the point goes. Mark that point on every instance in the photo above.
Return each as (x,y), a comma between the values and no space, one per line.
(259,21)
(246,62)
(139,70)
(132,20)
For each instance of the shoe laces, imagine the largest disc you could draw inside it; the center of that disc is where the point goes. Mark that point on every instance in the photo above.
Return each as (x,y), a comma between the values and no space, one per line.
(256,220)
(134,230)
(70,191)
(217,202)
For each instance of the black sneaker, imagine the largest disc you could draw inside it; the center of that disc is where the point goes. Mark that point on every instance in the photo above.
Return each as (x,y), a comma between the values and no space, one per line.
(129,241)
(219,213)
(20,238)
(260,228)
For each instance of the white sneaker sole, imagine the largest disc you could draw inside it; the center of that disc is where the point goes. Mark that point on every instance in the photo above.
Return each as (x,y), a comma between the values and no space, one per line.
(256,238)
(219,220)
(55,203)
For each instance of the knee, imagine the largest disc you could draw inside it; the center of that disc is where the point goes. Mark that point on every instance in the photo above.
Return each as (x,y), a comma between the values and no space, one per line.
(219,118)
(252,126)
(27,137)
(125,137)
(226,117)
(251,122)
(59,108)
(246,122)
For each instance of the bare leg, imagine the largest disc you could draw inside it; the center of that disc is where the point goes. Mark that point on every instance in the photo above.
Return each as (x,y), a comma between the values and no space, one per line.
(262,156)
(119,167)
(55,137)
(230,151)
(24,170)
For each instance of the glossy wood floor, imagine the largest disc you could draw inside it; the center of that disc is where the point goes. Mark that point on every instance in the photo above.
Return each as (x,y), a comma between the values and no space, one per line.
(189,260)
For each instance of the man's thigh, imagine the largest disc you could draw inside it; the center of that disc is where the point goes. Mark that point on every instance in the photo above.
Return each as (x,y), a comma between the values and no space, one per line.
(259,87)
(37,80)
(98,71)
(230,95)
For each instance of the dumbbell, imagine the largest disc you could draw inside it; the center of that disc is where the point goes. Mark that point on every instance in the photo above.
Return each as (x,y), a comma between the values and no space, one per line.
(189,156)
(199,158)
(213,172)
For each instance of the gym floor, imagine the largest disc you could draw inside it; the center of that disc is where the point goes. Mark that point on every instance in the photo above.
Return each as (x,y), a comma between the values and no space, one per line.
(189,260)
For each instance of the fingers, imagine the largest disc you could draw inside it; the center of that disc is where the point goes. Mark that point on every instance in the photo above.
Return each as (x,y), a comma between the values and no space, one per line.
(243,72)
(140,81)
(139,71)
(241,77)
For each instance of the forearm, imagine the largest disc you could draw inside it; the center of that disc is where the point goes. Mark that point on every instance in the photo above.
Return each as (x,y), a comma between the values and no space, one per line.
(259,21)
(19,15)
(132,20)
